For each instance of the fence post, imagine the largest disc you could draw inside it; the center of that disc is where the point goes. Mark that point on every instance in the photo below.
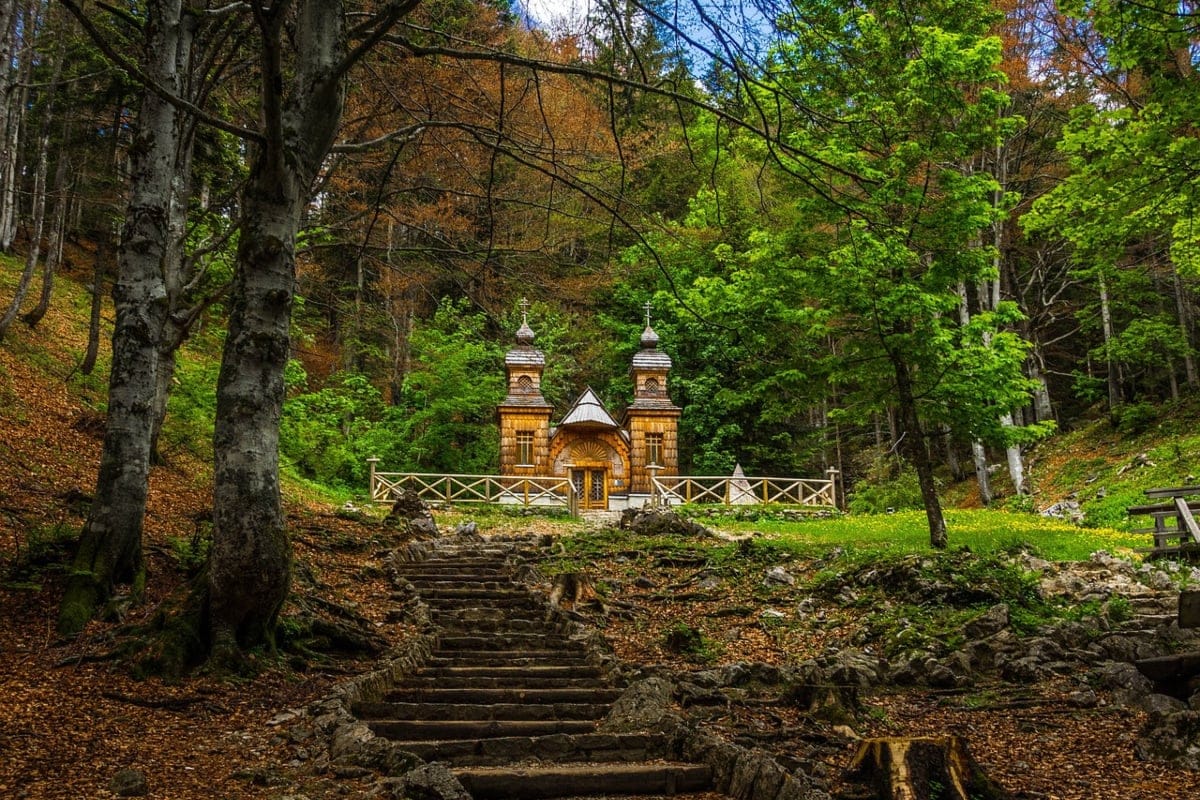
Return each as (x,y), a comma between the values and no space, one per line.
(832,473)
(371,462)
(655,496)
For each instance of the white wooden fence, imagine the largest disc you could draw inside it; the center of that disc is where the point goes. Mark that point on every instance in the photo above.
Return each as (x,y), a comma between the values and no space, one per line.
(499,489)
(731,491)
(551,491)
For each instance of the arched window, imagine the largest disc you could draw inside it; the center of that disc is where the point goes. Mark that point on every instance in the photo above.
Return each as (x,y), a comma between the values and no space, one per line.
(525,384)
(652,386)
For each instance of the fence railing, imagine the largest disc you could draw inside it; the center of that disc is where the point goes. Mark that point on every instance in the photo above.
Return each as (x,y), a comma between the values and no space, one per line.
(521,490)
(819,492)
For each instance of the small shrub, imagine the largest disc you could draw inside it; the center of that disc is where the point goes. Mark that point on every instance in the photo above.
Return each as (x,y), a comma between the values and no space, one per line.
(1134,418)
(45,546)
(691,642)
(190,553)
(1118,609)
(887,485)
(1019,504)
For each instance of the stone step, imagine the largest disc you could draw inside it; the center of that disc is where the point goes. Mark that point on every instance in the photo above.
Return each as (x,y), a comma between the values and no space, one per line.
(526,605)
(437,582)
(477,593)
(474,623)
(536,782)
(556,748)
(506,682)
(452,730)
(503,658)
(434,693)
(1150,620)
(481,711)
(505,642)
(570,650)
(459,565)
(531,673)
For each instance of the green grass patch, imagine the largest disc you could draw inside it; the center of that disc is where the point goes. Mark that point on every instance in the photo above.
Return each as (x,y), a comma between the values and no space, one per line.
(906,532)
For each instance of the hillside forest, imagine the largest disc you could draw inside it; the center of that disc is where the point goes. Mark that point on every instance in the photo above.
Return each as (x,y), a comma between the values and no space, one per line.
(903,239)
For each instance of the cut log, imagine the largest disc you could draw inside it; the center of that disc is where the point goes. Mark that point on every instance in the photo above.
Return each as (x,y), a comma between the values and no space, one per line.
(918,768)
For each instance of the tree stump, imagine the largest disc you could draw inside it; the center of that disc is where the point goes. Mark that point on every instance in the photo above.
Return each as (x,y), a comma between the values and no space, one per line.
(918,768)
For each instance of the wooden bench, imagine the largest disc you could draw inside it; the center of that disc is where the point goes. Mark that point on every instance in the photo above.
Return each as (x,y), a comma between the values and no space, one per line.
(1175,528)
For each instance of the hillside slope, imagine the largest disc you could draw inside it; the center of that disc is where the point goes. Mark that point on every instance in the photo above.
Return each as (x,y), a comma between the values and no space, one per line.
(70,717)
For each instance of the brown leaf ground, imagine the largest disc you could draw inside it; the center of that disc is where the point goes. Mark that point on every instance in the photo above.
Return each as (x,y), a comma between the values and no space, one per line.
(67,723)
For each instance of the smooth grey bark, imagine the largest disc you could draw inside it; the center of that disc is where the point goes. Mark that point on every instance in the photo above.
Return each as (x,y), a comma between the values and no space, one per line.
(978,452)
(979,457)
(1043,408)
(249,569)
(37,215)
(11,115)
(54,244)
(1184,315)
(1106,326)
(93,345)
(37,210)
(110,547)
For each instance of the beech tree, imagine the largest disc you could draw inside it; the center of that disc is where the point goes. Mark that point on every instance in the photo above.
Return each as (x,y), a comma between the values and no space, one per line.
(110,547)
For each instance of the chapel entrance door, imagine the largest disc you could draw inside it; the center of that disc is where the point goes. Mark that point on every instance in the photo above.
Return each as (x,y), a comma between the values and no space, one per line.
(591,486)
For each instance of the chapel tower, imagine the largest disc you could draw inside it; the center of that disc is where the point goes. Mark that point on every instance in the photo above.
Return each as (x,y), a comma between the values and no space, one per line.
(652,420)
(525,414)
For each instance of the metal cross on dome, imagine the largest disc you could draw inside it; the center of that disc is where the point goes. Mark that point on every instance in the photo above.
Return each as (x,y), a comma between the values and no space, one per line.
(647,306)
(524,311)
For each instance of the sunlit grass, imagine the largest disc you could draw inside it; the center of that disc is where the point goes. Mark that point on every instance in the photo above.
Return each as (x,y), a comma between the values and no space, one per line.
(983,531)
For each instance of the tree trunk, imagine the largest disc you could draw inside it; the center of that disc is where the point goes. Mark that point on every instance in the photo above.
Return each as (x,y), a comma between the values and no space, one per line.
(979,456)
(93,345)
(250,564)
(919,768)
(37,215)
(15,113)
(1043,409)
(54,246)
(8,89)
(978,452)
(951,454)
(1183,312)
(110,547)
(918,452)
(1114,377)
(249,568)
(1016,466)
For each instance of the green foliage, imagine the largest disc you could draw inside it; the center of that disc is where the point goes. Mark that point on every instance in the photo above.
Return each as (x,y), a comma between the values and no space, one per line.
(1134,418)
(192,404)
(888,485)
(443,420)
(321,432)
(191,552)
(44,547)
(449,399)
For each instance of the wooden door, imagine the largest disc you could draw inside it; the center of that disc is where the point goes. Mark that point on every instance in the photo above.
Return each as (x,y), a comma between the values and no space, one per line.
(591,485)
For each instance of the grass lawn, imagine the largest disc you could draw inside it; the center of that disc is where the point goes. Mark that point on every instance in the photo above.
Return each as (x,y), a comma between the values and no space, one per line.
(983,531)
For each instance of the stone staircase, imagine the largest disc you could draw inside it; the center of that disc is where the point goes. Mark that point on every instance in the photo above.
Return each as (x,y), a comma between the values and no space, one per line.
(507,700)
